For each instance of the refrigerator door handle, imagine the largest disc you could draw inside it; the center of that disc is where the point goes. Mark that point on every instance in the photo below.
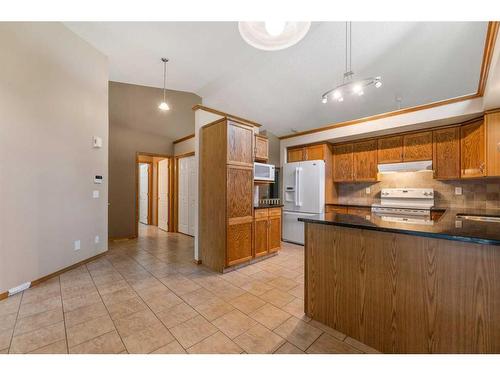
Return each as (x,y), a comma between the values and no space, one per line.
(297,188)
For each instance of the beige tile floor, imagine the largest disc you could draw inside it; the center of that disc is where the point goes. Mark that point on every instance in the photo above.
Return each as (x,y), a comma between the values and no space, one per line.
(146,296)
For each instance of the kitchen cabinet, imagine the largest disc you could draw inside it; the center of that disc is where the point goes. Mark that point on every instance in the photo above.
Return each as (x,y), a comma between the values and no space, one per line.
(390,150)
(313,152)
(417,146)
(446,144)
(365,160)
(472,154)
(267,230)
(261,148)
(359,211)
(226,194)
(492,125)
(343,163)
(336,209)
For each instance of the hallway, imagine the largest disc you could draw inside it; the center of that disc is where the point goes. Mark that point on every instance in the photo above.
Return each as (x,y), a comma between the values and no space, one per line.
(147,296)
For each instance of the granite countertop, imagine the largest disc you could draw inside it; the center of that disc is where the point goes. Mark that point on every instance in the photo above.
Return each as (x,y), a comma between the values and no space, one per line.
(446,226)
(267,206)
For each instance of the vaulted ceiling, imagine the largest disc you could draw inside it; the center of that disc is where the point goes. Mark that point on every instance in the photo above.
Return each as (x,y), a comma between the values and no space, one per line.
(420,62)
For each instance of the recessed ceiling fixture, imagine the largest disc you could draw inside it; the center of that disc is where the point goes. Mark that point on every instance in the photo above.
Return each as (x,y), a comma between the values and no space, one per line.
(163,105)
(273,35)
(349,85)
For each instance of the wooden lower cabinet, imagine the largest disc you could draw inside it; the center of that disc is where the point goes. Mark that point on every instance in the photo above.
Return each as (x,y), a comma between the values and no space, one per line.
(239,243)
(267,231)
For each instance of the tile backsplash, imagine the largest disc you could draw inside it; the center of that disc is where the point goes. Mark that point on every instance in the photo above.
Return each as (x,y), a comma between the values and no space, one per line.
(480,193)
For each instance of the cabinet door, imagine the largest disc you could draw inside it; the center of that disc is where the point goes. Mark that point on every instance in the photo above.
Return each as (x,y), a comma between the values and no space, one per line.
(240,139)
(417,146)
(472,158)
(239,242)
(261,236)
(261,148)
(274,233)
(315,152)
(296,154)
(365,160)
(446,144)
(343,163)
(390,150)
(492,136)
(239,192)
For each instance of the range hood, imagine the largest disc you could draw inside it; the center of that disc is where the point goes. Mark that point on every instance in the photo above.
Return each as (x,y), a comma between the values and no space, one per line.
(413,166)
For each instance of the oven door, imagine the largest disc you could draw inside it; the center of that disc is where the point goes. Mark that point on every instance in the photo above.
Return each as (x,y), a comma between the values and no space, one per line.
(263,172)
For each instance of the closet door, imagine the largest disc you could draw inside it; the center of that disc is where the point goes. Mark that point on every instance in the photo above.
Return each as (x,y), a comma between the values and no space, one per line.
(183,195)
(191,194)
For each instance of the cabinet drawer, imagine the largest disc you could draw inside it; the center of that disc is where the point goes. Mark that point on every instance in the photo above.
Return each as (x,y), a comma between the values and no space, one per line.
(275,211)
(261,213)
(336,209)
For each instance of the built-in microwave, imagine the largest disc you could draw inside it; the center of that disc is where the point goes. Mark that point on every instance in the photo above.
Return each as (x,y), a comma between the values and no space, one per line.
(263,172)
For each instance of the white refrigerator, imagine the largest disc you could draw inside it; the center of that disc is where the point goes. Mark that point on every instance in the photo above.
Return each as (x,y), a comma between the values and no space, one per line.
(303,196)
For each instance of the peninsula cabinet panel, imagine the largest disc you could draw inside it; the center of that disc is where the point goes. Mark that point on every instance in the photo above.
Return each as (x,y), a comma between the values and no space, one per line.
(239,242)
(390,150)
(446,143)
(239,192)
(261,148)
(274,233)
(472,150)
(417,146)
(343,163)
(296,154)
(404,294)
(261,236)
(240,148)
(365,160)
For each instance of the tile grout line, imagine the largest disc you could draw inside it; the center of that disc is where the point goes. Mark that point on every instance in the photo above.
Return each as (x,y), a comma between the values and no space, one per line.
(109,315)
(64,315)
(15,324)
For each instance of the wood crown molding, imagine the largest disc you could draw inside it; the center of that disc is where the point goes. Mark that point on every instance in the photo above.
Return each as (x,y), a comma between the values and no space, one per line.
(184,155)
(184,138)
(224,114)
(489,45)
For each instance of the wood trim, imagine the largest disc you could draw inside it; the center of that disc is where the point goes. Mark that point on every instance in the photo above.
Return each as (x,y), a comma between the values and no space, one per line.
(184,155)
(228,115)
(184,138)
(121,238)
(489,45)
(61,271)
(490,111)
(4,295)
(197,261)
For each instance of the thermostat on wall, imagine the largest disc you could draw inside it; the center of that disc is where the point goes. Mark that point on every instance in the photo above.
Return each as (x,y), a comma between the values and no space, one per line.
(98,179)
(97,142)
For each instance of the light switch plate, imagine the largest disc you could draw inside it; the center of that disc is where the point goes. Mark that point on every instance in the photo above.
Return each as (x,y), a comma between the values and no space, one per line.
(458,191)
(458,223)
(95,194)
(368,190)
(96,142)
(77,245)
(96,239)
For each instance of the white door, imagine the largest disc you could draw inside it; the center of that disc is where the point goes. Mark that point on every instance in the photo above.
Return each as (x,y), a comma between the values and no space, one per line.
(187,174)
(163,194)
(144,193)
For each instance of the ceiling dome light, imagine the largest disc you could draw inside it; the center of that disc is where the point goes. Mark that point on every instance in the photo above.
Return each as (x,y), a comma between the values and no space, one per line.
(275,28)
(273,36)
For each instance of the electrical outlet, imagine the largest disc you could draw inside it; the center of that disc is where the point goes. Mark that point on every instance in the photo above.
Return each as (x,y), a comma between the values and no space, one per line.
(458,191)
(368,190)
(96,239)
(95,194)
(77,245)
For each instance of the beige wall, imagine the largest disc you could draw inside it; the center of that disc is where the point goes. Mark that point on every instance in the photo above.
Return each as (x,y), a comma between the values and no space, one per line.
(136,125)
(184,147)
(53,99)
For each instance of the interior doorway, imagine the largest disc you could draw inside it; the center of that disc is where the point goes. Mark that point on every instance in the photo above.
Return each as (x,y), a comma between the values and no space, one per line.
(153,191)
(185,193)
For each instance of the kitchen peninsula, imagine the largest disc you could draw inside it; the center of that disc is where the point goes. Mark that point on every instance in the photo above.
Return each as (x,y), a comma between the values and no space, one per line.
(407,288)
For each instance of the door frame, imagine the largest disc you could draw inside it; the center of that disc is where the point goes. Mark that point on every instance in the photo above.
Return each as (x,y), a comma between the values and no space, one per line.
(170,187)
(150,191)
(176,190)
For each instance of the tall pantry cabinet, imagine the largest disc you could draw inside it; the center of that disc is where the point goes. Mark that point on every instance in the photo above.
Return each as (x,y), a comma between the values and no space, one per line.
(226,193)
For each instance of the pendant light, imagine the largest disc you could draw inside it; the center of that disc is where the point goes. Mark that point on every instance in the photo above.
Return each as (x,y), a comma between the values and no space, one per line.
(349,85)
(163,105)
(273,35)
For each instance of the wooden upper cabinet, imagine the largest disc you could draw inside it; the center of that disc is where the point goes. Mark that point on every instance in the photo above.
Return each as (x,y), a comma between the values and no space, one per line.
(390,150)
(261,148)
(446,162)
(365,160)
(315,152)
(296,154)
(343,163)
(492,131)
(472,143)
(417,146)
(240,140)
